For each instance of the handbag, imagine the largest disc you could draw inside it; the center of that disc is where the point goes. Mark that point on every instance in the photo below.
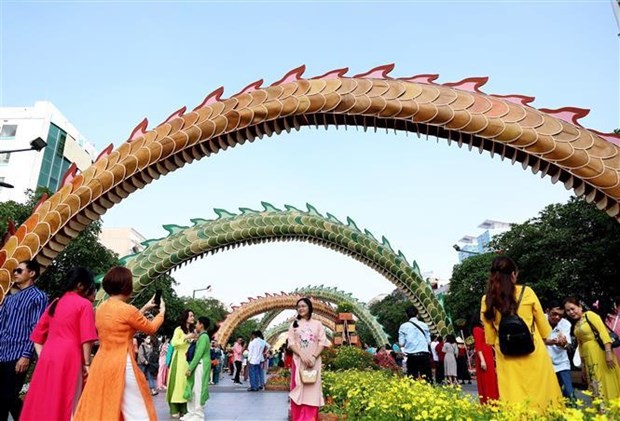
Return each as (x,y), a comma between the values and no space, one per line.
(615,341)
(577,359)
(309,376)
(215,363)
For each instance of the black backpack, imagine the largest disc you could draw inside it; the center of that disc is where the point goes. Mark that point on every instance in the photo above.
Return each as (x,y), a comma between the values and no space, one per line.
(515,338)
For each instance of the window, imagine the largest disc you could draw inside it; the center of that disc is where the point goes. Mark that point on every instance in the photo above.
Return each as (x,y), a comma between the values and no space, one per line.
(4,158)
(54,164)
(8,130)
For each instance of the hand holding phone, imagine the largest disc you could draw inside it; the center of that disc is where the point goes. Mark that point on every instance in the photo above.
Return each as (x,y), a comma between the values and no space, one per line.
(157,300)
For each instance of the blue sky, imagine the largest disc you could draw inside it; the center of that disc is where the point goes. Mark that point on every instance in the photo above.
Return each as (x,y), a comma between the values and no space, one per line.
(106,66)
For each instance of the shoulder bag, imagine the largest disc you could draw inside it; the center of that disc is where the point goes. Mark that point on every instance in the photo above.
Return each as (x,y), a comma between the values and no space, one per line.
(423,335)
(615,341)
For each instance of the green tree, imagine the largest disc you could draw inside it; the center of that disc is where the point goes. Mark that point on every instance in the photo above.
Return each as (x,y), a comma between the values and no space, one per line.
(85,250)
(391,312)
(174,304)
(244,330)
(11,210)
(365,334)
(468,285)
(212,308)
(567,249)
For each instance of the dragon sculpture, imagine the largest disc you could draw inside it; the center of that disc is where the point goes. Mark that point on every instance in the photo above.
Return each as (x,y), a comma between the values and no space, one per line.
(551,142)
(334,295)
(185,244)
(260,305)
(273,332)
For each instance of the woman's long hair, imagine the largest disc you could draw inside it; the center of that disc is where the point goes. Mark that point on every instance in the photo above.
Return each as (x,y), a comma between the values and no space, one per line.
(310,309)
(183,321)
(75,277)
(501,290)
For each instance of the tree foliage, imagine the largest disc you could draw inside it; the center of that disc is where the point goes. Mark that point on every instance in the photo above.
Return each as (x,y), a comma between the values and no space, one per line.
(390,312)
(468,285)
(365,334)
(244,330)
(568,249)
(174,304)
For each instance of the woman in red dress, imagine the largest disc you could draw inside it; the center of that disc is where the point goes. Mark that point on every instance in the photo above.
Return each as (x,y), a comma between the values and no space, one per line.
(485,364)
(63,339)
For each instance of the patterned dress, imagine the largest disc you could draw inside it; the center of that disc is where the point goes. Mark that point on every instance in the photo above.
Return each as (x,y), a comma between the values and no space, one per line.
(306,398)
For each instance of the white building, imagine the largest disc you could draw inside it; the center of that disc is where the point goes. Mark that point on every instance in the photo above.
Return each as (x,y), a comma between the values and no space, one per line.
(470,245)
(122,241)
(29,169)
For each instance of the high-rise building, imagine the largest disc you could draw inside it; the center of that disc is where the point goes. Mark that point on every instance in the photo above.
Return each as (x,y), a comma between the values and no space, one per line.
(470,245)
(19,126)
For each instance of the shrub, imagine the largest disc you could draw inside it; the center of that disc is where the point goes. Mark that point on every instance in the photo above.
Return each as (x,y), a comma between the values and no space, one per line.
(379,395)
(344,307)
(349,357)
(328,356)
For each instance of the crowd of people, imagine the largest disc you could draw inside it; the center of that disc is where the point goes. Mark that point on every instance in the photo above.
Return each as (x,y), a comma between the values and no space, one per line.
(109,363)
(533,365)
(112,380)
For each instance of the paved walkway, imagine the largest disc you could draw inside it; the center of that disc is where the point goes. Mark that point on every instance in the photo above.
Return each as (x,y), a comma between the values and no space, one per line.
(231,402)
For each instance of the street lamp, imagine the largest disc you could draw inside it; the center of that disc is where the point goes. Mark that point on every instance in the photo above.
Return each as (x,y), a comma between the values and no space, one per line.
(208,288)
(7,185)
(36,145)
(460,250)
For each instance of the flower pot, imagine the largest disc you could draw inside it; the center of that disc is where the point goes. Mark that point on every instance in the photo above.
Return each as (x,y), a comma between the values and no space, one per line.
(327,416)
(345,316)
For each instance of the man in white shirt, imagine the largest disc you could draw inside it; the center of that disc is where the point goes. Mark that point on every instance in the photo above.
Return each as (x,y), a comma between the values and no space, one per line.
(414,338)
(255,356)
(557,342)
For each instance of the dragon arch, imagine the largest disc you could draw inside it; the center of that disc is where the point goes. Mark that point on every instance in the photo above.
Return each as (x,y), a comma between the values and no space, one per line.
(260,305)
(184,244)
(275,331)
(551,142)
(334,295)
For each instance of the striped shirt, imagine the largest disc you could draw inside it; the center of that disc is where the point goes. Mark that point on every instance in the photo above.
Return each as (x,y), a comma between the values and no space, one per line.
(19,314)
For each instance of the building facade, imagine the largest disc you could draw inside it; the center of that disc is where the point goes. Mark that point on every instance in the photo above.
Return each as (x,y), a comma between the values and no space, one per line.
(122,241)
(30,169)
(470,245)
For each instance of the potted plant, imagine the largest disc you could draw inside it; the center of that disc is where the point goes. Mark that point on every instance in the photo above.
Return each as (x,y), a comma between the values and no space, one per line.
(344,311)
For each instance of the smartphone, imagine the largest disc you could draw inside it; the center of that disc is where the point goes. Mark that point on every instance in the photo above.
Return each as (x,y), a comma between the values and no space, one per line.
(158,297)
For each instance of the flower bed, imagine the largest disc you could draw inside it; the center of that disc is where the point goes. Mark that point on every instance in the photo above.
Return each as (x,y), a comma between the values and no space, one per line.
(379,395)
(279,382)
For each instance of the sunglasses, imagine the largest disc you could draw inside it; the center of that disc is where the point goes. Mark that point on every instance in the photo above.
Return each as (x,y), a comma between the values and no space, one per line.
(18,271)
